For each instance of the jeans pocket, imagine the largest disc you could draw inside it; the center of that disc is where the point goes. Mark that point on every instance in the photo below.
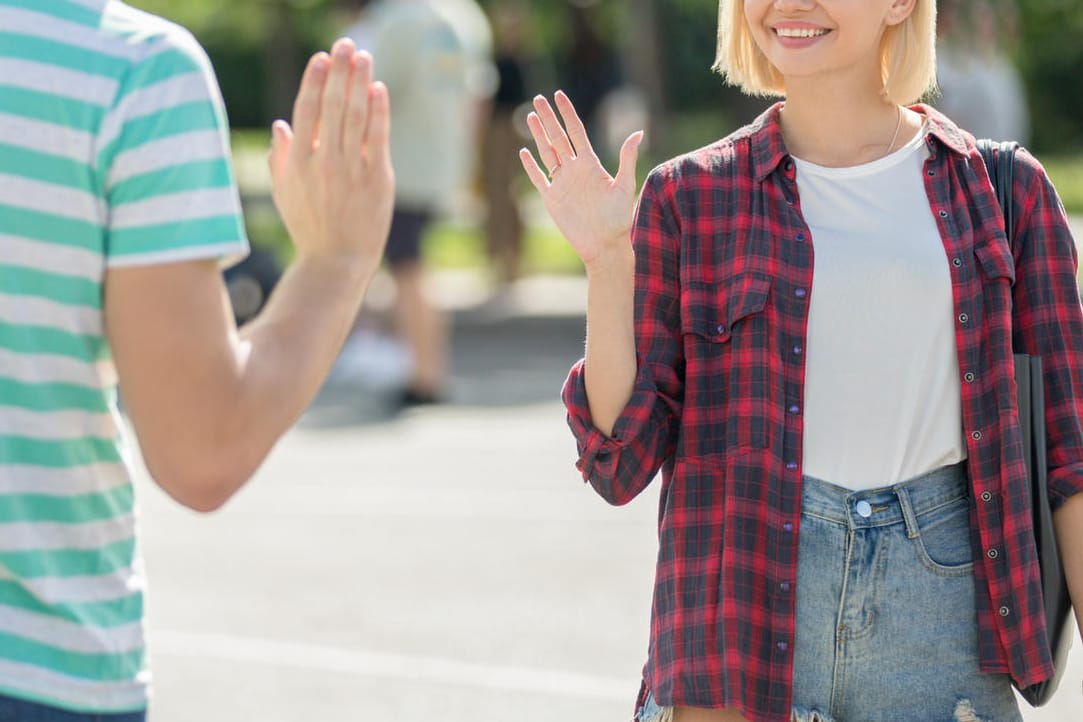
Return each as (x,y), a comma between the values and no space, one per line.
(943,540)
(649,711)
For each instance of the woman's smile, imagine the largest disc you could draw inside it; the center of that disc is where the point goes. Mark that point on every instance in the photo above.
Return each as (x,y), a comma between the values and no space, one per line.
(799,35)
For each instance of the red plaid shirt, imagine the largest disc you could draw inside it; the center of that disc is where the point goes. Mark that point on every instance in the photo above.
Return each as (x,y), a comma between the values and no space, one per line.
(723,280)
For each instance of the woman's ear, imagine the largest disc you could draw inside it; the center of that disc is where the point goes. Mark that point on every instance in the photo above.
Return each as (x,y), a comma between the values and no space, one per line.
(900,10)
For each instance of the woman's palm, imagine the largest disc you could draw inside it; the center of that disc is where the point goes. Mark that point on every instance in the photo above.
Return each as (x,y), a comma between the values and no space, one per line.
(591,208)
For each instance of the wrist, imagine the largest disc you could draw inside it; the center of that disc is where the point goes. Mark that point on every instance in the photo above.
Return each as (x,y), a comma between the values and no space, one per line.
(617,258)
(345,269)
(339,274)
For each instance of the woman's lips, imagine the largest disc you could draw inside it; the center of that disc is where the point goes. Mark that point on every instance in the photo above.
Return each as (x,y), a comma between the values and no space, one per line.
(799,37)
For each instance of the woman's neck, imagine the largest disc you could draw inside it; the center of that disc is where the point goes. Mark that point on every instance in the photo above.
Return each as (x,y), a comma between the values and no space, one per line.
(840,127)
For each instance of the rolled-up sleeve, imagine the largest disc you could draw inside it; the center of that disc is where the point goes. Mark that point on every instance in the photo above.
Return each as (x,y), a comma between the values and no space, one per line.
(644,436)
(1048,319)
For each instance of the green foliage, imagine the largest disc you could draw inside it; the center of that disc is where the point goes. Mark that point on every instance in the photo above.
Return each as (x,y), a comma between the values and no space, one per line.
(1066,172)
(1050,57)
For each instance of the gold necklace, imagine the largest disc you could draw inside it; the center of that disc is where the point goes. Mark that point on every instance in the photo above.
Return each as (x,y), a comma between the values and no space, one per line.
(898,127)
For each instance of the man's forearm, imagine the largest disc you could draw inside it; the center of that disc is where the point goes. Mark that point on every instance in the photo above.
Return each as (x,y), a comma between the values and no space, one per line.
(284,355)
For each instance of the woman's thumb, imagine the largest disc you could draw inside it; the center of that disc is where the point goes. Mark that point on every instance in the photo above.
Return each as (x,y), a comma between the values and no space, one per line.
(629,154)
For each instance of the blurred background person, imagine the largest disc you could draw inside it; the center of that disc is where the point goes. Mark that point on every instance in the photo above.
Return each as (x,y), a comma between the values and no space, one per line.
(980,87)
(590,69)
(435,57)
(504,134)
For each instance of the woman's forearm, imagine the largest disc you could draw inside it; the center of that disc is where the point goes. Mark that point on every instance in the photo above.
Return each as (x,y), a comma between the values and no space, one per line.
(1069,525)
(610,367)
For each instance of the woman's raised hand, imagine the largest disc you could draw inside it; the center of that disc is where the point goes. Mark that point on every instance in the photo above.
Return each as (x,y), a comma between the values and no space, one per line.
(590,207)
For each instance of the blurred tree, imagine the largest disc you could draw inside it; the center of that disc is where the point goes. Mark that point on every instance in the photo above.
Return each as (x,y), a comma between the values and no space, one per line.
(259,46)
(1050,56)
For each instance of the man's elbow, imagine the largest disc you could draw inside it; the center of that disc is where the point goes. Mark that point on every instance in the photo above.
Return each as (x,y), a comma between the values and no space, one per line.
(202,487)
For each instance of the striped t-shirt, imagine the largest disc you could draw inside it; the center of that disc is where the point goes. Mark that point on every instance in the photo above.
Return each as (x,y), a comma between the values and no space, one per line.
(113,152)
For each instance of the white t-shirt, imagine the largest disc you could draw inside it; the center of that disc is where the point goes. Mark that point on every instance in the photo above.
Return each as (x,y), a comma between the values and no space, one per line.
(882,388)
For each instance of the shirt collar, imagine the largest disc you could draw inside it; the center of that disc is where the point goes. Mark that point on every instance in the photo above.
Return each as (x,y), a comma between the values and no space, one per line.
(769,149)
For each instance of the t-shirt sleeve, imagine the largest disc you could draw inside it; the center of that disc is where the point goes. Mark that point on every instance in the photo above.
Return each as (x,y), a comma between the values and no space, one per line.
(164,161)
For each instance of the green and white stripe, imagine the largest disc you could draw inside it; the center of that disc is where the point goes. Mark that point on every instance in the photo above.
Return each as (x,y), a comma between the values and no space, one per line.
(113,152)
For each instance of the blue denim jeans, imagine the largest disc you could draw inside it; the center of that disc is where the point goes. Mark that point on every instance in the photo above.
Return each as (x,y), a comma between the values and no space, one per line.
(18,710)
(886,620)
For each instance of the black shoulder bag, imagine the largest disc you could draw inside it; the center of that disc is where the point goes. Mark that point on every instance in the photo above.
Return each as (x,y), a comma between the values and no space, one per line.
(1031,401)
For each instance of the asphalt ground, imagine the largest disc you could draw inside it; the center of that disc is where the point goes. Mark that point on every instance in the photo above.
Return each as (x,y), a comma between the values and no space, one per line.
(439,564)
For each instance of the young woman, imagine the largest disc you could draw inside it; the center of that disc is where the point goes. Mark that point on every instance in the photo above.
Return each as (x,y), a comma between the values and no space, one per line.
(811,335)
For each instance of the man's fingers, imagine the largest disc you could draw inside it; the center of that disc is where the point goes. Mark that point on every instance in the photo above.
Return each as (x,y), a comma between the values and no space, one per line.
(577,132)
(333,105)
(281,139)
(533,170)
(358,108)
(306,107)
(541,140)
(559,139)
(377,139)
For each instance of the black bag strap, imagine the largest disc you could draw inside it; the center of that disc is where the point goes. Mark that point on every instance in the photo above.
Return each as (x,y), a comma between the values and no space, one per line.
(1000,162)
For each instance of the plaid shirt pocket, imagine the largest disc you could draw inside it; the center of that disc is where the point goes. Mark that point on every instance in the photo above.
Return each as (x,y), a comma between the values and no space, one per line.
(727,364)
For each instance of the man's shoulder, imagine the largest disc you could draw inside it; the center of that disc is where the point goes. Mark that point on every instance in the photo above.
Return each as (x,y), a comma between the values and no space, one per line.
(141,34)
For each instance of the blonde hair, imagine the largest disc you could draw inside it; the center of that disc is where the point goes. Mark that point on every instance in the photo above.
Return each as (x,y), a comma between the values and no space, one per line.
(907,55)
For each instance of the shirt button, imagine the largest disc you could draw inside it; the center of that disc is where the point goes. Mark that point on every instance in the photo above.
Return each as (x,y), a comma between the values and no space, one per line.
(986,496)
(795,409)
(782,646)
(1004,611)
(943,214)
(976,436)
(789,165)
(992,553)
(721,329)
(956,262)
(787,526)
(797,350)
(963,318)
(969,377)
(785,587)
(800,237)
(791,465)
(930,173)
(800,292)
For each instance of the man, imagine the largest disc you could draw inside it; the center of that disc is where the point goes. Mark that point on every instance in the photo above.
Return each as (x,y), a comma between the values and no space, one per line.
(117,202)
(435,57)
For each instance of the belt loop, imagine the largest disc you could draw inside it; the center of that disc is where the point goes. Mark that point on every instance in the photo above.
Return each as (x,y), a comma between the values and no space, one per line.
(903,496)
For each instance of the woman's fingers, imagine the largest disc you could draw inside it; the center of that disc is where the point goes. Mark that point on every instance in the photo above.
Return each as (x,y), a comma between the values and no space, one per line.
(576,130)
(562,147)
(533,170)
(629,154)
(541,140)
